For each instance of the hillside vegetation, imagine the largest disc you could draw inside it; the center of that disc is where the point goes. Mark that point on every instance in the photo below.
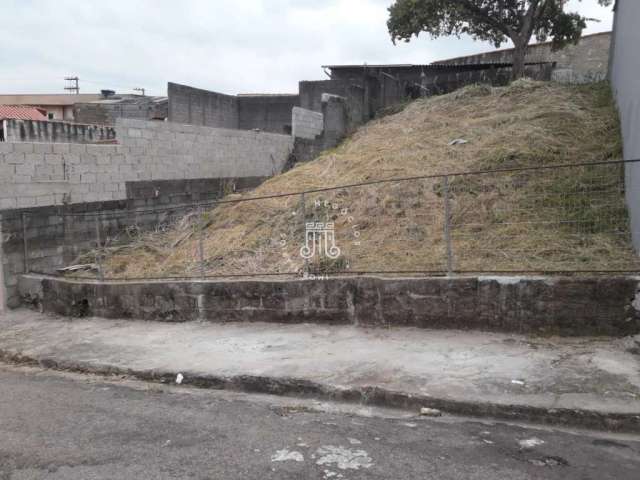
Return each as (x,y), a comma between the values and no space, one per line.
(569,219)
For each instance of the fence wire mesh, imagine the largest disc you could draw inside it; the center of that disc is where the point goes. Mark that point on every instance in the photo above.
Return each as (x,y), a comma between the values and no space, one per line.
(569,218)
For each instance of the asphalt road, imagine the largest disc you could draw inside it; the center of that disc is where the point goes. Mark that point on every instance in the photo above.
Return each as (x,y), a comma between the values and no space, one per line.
(65,426)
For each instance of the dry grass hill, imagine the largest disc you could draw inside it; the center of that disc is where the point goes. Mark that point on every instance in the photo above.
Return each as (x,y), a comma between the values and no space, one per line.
(571,219)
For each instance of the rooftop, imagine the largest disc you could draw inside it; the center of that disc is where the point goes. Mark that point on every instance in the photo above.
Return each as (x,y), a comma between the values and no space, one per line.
(21,113)
(58,99)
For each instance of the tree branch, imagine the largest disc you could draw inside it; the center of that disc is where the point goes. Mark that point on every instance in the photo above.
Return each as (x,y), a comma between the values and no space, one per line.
(479,12)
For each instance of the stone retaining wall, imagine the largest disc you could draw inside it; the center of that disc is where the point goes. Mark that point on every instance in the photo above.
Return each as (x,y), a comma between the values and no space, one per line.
(545,305)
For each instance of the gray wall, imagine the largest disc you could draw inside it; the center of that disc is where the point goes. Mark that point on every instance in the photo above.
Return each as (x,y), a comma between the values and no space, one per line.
(625,75)
(552,305)
(56,235)
(270,113)
(56,132)
(193,106)
(107,112)
(584,62)
(315,132)
(40,174)
(307,124)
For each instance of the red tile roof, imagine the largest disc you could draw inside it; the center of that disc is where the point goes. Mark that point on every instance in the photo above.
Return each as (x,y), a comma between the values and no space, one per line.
(21,113)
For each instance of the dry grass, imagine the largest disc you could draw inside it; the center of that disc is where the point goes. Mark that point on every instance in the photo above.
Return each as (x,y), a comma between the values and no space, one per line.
(399,226)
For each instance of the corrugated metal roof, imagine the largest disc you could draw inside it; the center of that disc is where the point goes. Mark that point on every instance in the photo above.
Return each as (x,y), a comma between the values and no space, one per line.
(21,113)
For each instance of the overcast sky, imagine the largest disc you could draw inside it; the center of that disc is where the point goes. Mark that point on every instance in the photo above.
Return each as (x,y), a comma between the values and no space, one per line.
(240,46)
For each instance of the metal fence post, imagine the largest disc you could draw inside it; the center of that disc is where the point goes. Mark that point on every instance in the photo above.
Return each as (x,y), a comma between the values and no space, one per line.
(25,243)
(447,225)
(303,209)
(201,243)
(98,247)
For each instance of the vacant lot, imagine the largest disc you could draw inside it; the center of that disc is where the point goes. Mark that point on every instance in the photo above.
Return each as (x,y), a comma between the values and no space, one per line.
(566,219)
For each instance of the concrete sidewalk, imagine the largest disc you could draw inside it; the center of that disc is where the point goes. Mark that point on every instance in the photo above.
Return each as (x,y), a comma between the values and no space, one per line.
(587,382)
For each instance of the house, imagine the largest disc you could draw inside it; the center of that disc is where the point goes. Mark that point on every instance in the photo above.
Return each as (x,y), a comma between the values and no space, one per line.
(11,112)
(56,106)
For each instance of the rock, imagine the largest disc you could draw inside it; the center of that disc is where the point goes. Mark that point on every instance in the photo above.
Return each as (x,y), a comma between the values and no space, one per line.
(78,268)
(530,443)
(430,412)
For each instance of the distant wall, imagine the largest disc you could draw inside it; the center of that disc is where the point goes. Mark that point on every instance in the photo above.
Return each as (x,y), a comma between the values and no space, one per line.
(271,113)
(625,72)
(107,113)
(56,132)
(194,106)
(357,102)
(584,62)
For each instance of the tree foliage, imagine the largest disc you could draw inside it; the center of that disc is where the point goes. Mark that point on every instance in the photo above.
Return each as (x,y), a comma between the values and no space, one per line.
(495,21)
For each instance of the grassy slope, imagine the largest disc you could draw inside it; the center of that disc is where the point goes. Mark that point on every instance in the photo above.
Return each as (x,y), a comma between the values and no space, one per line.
(400,225)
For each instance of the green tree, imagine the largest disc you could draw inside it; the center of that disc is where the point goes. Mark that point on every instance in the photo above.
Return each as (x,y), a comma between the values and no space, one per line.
(495,21)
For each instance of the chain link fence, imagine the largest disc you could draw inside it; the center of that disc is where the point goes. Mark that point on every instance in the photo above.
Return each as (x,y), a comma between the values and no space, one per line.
(551,219)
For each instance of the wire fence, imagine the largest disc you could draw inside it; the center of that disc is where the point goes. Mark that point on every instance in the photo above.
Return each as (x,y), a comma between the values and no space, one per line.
(550,219)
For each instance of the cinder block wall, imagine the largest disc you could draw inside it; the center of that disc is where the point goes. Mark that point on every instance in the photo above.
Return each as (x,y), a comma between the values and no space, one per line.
(56,132)
(145,108)
(271,113)
(158,164)
(40,174)
(306,123)
(586,61)
(194,106)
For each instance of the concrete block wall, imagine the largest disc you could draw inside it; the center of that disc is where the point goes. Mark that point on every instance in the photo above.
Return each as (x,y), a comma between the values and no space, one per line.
(336,119)
(584,62)
(194,106)
(306,124)
(54,236)
(40,174)
(56,132)
(209,152)
(581,306)
(271,113)
(315,132)
(104,113)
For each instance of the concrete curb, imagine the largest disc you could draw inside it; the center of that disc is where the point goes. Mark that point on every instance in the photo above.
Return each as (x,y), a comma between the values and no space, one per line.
(368,395)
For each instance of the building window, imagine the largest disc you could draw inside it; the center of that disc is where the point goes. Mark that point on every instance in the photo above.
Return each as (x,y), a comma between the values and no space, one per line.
(50,115)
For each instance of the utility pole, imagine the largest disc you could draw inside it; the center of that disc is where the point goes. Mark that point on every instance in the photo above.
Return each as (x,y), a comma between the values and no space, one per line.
(141,90)
(73,85)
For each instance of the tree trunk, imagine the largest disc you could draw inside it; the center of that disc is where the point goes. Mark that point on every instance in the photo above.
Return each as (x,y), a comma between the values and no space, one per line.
(519,54)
